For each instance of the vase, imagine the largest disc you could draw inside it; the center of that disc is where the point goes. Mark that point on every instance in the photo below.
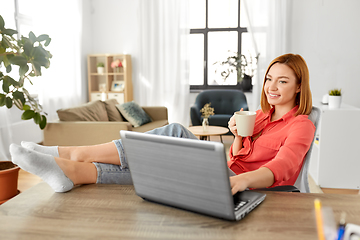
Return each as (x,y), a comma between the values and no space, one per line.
(100,70)
(334,102)
(9,173)
(246,83)
(205,124)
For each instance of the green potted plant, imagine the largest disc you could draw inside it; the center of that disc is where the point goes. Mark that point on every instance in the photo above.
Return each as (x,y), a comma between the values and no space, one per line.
(335,98)
(244,68)
(29,55)
(100,67)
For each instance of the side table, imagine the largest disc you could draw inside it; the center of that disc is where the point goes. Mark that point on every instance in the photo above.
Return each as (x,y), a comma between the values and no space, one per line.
(211,131)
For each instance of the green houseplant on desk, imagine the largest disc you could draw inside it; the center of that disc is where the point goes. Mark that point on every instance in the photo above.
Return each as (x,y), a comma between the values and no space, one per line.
(334,98)
(29,55)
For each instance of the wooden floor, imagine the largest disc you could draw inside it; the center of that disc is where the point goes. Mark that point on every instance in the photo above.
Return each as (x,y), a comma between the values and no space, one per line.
(27,180)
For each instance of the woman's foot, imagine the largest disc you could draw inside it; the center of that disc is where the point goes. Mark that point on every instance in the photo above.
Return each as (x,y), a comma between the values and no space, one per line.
(42,165)
(52,150)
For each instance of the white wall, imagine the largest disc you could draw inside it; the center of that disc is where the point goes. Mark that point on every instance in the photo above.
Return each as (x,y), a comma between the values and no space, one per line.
(112,26)
(327,35)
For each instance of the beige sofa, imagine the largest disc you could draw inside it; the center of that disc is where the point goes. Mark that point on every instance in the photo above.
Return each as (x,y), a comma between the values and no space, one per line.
(97,130)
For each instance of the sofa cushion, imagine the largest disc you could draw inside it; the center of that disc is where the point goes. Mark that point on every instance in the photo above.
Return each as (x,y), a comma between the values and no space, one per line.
(92,111)
(112,112)
(132,112)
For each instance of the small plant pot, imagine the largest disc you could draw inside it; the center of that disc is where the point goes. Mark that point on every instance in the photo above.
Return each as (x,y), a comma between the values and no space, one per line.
(334,102)
(100,70)
(9,173)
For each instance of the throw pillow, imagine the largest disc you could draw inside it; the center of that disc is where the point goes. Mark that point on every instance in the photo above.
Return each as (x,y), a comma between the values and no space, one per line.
(92,111)
(112,111)
(132,112)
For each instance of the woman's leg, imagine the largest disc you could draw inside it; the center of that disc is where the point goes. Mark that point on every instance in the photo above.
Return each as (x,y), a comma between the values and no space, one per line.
(62,174)
(111,153)
(106,152)
(104,163)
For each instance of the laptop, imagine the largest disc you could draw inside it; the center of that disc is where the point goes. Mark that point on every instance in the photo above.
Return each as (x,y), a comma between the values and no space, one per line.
(185,173)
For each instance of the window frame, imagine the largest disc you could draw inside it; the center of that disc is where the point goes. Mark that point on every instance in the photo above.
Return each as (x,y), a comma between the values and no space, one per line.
(205,31)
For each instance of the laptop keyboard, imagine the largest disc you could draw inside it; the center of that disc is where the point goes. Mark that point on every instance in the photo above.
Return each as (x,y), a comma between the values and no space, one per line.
(240,204)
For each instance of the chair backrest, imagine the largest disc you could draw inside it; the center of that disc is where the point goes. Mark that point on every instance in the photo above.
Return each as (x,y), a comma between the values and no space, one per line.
(223,101)
(302,182)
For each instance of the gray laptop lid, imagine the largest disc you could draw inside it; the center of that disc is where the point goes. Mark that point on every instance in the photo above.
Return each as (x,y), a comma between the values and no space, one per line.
(183,173)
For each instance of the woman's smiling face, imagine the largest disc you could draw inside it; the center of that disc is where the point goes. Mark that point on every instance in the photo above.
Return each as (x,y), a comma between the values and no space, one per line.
(281,86)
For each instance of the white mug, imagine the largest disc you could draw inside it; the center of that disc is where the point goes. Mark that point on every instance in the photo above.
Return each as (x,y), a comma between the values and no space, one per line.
(245,122)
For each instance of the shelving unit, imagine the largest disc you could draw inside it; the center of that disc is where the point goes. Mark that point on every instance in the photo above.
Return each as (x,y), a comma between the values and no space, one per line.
(335,159)
(106,79)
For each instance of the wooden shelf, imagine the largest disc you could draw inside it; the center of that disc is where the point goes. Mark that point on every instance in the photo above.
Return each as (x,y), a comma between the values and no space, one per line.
(96,80)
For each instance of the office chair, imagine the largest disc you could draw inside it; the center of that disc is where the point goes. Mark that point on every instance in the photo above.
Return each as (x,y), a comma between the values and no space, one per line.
(224,102)
(302,182)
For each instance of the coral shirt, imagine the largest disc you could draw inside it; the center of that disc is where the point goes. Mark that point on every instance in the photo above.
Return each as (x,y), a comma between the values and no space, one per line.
(281,147)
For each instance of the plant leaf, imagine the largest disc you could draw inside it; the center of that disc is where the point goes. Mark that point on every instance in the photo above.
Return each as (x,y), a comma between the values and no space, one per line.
(11,81)
(8,102)
(26,107)
(6,41)
(47,42)
(37,118)
(2,99)
(32,37)
(28,114)
(9,31)
(36,68)
(2,23)
(43,37)
(18,60)
(5,86)
(42,124)
(27,46)
(23,70)
(8,68)
(20,96)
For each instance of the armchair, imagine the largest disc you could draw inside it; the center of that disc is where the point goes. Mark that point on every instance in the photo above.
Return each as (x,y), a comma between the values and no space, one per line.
(224,102)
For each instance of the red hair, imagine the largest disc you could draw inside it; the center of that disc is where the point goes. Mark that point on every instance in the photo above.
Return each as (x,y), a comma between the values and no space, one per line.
(299,66)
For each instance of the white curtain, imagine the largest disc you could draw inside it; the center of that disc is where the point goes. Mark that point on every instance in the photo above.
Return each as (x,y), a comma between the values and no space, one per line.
(163,70)
(5,135)
(269,24)
(60,85)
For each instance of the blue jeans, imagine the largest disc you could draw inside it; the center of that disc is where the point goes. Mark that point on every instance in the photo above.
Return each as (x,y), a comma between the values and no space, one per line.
(120,174)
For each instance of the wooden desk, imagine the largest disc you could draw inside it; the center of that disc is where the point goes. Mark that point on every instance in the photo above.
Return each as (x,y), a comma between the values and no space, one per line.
(115,212)
(212,131)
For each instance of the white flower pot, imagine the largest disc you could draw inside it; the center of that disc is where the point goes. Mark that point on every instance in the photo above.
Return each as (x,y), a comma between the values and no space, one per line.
(334,102)
(100,70)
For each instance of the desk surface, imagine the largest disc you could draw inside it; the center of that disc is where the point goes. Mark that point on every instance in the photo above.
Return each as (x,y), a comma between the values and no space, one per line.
(115,212)
(212,131)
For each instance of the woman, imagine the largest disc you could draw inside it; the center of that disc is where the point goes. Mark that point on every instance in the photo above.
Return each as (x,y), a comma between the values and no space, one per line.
(272,156)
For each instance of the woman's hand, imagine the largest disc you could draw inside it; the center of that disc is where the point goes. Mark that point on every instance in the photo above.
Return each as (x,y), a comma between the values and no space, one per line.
(238,184)
(232,125)
(237,144)
(260,178)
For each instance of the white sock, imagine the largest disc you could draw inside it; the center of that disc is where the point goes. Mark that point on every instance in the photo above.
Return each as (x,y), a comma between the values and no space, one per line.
(42,165)
(52,150)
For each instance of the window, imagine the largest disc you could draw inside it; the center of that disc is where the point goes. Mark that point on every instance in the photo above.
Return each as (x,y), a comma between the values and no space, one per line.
(217,29)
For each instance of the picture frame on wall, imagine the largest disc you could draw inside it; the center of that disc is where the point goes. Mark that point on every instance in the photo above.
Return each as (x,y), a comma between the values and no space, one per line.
(117,86)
